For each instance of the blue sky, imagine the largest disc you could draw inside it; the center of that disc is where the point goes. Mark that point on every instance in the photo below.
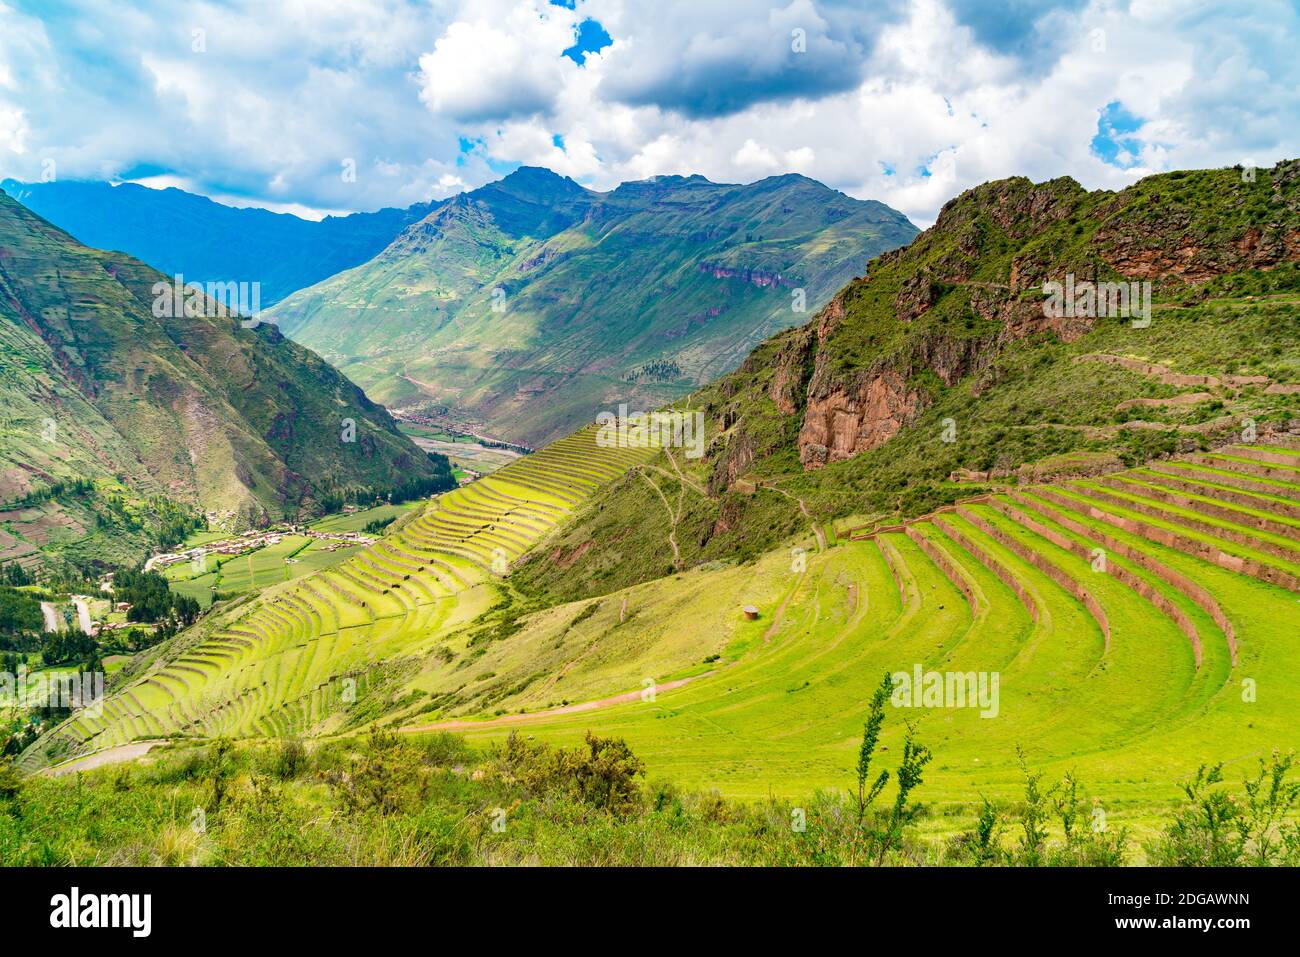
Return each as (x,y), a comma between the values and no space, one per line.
(907,101)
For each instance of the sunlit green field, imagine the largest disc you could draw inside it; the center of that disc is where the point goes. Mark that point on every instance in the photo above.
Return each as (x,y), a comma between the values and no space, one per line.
(1137,625)
(782,710)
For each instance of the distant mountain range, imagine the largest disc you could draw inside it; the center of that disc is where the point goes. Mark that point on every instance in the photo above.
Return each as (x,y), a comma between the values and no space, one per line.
(179,232)
(199,410)
(522,308)
(528,305)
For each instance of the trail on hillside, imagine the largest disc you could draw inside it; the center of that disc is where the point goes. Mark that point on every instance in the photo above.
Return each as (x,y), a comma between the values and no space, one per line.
(123,752)
(803,509)
(672,518)
(624,698)
(780,611)
(51,614)
(682,475)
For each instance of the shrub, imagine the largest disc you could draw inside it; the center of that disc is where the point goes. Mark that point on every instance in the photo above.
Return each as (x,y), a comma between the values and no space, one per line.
(603,774)
(446,750)
(386,780)
(1207,832)
(290,759)
(981,845)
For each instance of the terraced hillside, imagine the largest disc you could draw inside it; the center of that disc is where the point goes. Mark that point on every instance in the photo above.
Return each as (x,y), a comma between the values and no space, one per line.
(947,364)
(1139,623)
(296,659)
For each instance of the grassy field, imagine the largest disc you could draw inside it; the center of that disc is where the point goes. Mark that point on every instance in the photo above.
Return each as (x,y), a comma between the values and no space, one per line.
(779,705)
(293,557)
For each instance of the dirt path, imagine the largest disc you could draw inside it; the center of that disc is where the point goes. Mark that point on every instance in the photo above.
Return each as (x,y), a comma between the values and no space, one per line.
(672,518)
(53,621)
(123,752)
(625,698)
(780,612)
(682,475)
(817,530)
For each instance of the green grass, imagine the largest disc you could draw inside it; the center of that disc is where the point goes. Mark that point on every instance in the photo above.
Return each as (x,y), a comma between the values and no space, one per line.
(357,521)
(782,715)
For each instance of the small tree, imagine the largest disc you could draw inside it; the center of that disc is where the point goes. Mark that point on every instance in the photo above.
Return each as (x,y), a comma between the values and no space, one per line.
(870,739)
(915,758)
(1084,846)
(982,844)
(867,793)
(220,770)
(1033,816)
(1270,798)
(1208,831)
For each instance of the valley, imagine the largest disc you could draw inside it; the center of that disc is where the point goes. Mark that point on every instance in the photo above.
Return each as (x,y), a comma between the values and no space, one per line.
(532,303)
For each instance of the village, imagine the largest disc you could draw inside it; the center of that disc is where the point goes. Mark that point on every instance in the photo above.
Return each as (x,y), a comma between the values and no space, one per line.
(258,538)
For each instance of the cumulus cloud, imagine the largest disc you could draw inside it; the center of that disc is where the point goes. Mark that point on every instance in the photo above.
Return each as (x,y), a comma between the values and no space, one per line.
(506,62)
(906,101)
(706,58)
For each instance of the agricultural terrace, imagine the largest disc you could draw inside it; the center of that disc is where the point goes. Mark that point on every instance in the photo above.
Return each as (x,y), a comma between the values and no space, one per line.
(1139,624)
(297,657)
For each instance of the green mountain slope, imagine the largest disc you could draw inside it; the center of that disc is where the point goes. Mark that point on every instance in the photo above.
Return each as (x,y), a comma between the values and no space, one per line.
(180,232)
(239,422)
(529,305)
(941,371)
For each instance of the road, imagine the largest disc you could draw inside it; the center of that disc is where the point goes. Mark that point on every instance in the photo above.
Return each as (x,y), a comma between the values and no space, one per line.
(83,612)
(53,620)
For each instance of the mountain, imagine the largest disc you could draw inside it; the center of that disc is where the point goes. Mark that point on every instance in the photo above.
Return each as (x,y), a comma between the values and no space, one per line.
(525,307)
(179,232)
(238,422)
(944,369)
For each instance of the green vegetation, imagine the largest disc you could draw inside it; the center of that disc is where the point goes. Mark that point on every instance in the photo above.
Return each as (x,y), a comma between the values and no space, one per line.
(150,598)
(337,648)
(979,380)
(403,800)
(1074,559)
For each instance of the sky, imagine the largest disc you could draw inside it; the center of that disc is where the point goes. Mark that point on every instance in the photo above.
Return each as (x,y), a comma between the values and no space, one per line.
(327,106)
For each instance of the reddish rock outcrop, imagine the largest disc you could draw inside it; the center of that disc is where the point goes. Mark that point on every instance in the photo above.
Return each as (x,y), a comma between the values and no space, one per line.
(791,370)
(849,420)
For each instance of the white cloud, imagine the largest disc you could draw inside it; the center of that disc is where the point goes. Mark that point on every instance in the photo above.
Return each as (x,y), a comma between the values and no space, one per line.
(13,131)
(504,63)
(906,102)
